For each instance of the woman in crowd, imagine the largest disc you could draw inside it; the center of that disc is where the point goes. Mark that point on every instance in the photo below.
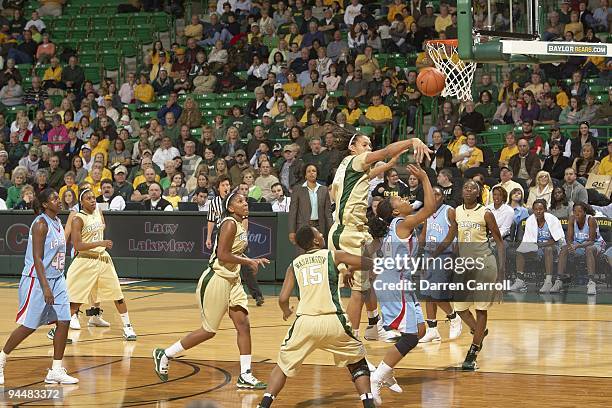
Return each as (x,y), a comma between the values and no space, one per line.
(586,163)
(573,113)
(518,205)
(556,163)
(559,206)
(541,189)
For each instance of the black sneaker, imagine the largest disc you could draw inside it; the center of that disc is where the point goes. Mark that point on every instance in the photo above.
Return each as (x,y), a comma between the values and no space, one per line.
(470,359)
(259,301)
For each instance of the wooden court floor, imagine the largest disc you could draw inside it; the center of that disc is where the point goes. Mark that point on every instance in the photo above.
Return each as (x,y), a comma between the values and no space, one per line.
(535,355)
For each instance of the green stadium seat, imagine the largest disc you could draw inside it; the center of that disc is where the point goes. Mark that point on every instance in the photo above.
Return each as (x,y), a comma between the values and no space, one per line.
(122,31)
(366,130)
(143,33)
(128,46)
(88,57)
(99,20)
(161,21)
(141,19)
(80,21)
(79,33)
(501,128)
(107,44)
(93,72)
(120,19)
(112,60)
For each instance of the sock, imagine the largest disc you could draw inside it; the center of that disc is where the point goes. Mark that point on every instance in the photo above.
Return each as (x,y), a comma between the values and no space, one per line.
(3,357)
(432,323)
(266,401)
(451,316)
(174,349)
(373,317)
(245,363)
(383,371)
(57,364)
(125,318)
(367,400)
(548,278)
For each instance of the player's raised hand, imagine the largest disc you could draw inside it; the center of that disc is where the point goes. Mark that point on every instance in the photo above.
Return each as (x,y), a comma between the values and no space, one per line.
(254,264)
(420,150)
(417,171)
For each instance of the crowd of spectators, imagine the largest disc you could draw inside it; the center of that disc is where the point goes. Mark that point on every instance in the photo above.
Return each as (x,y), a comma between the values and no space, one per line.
(307,65)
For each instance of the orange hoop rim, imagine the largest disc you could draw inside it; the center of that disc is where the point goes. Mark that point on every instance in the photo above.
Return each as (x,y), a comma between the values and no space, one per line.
(453,41)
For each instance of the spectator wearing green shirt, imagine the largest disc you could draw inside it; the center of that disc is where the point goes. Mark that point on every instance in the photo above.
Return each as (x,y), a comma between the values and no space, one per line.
(14,191)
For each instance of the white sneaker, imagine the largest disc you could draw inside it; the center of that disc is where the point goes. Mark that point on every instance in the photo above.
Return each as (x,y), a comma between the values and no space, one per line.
(248,380)
(456,326)
(1,373)
(389,336)
(375,332)
(128,333)
(432,334)
(392,384)
(376,387)
(518,286)
(591,288)
(60,376)
(74,322)
(547,286)
(556,288)
(97,321)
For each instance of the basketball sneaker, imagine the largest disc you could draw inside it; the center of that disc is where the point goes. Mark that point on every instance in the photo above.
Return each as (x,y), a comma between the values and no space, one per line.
(470,359)
(128,333)
(591,287)
(376,385)
(390,336)
(59,376)
(375,332)
(392,384)
(161,364)
(519,285)
(97,321)
(51,336)
(248,380)
(456,326)
(547,286)
(2,372)
(556,288)
(74,322)
(432,334)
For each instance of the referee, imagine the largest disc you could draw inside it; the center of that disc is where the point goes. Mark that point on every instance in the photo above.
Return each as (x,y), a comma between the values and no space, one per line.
(216,209)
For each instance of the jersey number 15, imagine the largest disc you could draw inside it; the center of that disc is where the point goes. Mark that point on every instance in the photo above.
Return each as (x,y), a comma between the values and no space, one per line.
(312,275)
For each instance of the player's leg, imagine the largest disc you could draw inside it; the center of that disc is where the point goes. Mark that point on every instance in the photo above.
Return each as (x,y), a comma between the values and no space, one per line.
(480,331)
(519,284)
(276,382)
(95,315)
(360,374)
(213,299)
(591,253)
(384,372)
(241,321)
(17,336)
(432,333)
(354,308)
(374,330)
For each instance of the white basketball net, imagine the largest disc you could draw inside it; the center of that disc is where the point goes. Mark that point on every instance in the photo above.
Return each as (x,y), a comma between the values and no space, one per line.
(459,74)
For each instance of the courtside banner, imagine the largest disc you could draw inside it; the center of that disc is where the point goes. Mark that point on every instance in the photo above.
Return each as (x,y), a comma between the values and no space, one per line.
(154,235)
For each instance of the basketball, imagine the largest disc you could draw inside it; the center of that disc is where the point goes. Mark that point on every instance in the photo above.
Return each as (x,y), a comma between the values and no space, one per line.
(430,81)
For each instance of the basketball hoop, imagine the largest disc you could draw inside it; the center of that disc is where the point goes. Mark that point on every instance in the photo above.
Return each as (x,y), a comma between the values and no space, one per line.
(459,74)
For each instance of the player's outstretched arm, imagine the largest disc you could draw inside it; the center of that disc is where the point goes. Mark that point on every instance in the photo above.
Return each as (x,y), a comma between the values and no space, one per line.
(394,149)
(376,171)
(356,261)
(285,293)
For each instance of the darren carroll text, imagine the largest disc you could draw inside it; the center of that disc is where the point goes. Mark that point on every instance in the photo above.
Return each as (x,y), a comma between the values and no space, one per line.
(446,286)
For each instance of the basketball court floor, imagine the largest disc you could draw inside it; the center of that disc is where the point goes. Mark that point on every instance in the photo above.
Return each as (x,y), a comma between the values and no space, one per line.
(541,351)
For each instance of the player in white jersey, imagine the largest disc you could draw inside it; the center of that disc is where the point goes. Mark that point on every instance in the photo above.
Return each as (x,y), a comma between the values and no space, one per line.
(404,310)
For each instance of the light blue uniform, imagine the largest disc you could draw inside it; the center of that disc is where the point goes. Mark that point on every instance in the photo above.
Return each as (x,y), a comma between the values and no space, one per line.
(400,307)
(582,234)
(33,311)
(438,226)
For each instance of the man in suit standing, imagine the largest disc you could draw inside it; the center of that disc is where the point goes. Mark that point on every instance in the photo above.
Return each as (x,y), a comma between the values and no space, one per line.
(310,205)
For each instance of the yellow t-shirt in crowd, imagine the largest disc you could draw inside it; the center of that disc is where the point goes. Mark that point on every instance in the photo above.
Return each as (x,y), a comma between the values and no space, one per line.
(507,153)
(380,112)
(455,144)
(605,166)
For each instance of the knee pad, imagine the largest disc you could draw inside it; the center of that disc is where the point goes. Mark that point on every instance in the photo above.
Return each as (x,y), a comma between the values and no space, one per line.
(406,343)
(359,369)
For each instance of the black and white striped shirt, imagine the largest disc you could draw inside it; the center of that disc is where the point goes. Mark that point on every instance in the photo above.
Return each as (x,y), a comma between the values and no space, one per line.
(215,210)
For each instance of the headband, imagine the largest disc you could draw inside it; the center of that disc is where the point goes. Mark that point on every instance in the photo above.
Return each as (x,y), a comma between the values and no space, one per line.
(352,139)
(82,193)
